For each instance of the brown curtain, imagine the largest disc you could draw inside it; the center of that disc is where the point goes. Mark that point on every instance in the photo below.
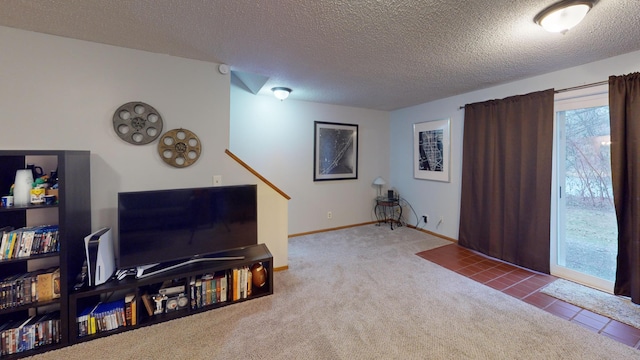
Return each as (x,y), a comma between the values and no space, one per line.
(506,179)
(624,110)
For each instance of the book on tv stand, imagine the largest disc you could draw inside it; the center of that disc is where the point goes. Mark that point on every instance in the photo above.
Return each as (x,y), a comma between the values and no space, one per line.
(155,269)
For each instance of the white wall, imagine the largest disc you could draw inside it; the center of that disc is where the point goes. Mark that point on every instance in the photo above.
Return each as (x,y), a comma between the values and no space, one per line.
(58,93)
(276,139)
(61,94)
(439,199)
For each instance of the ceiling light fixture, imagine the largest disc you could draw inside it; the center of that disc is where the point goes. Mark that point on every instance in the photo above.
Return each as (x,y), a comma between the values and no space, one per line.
(281,92)
(562,16)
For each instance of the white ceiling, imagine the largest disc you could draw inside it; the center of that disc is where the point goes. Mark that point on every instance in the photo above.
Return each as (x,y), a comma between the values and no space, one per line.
(376,54)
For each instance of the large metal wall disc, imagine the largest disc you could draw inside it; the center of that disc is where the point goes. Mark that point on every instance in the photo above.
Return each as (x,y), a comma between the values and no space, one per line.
(137,123)
(179,147)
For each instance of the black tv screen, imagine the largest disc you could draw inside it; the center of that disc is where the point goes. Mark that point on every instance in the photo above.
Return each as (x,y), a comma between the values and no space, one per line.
(164,226)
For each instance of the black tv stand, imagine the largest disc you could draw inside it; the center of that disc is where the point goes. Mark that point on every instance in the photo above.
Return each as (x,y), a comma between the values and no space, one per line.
(145,271)
(190,275)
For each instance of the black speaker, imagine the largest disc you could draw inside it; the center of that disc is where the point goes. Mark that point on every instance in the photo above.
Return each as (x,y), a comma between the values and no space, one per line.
(390,194)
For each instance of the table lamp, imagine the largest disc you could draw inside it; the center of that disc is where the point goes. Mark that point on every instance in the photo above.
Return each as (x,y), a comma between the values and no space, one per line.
(379,181)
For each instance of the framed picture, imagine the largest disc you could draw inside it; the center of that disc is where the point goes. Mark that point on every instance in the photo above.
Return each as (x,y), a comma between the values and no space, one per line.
(335,152)
(431,150)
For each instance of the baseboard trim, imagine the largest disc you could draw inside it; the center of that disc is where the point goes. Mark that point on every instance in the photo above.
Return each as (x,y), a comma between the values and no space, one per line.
(434,234)
(281,268)
(369,223)
(331,229)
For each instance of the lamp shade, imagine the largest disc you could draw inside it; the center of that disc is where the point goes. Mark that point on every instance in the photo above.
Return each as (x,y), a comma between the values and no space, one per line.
(379,181)
(562,16)
(281,92)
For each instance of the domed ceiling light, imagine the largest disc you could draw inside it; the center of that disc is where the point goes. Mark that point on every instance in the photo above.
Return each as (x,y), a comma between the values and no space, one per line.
(563,15)
(281,92)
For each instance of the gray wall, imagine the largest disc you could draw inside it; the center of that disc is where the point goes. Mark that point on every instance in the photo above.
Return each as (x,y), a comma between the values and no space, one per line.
(61,94)
(440,199)
(276,138)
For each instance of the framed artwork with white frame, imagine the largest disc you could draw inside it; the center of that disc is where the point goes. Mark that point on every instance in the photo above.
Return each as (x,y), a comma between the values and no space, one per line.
(432,150)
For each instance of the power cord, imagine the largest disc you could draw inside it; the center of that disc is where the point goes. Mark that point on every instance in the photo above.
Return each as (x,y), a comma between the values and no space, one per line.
(420,223)
(403,203)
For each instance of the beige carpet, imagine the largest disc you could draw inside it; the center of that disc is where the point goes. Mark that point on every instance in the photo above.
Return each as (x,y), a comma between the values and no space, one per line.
(362,293)
(600,302)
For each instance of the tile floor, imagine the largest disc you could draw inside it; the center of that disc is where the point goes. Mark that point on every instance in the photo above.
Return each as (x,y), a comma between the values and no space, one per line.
(525,285)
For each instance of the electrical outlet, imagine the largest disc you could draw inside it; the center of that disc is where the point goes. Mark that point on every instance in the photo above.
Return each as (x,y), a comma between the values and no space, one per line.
(425,218)
(329,215)
(217,180)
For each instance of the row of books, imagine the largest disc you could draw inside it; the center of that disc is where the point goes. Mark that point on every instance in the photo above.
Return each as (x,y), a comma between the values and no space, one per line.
(28,241)
(130,310)
(231,285)
(209,289)
(23,335)
(106,316)
(30,287)
(241,283)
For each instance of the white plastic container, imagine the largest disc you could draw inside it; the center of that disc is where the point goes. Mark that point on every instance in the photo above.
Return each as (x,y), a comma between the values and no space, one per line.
(22,187)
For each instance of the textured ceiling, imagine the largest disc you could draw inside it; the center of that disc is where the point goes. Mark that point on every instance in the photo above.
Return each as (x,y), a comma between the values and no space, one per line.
(377,54)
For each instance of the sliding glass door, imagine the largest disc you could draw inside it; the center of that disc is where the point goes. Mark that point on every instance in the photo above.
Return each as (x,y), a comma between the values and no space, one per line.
(584,241)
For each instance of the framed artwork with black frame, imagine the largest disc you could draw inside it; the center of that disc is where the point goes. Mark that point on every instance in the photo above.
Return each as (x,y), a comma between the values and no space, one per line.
(335,151)
(431,149)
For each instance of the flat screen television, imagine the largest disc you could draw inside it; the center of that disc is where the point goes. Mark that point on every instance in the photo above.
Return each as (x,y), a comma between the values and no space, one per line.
(169,226)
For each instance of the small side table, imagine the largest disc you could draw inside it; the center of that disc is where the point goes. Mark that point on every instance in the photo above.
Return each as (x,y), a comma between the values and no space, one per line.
(388,210)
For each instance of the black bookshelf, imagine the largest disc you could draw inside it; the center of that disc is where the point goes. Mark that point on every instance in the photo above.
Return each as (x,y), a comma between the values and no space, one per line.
(72,214)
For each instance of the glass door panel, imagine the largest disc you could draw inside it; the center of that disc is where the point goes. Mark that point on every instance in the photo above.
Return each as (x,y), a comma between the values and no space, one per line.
(585,245)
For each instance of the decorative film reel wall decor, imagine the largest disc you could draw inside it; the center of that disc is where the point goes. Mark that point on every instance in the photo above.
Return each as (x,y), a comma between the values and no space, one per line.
(179,147)
(137,123)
